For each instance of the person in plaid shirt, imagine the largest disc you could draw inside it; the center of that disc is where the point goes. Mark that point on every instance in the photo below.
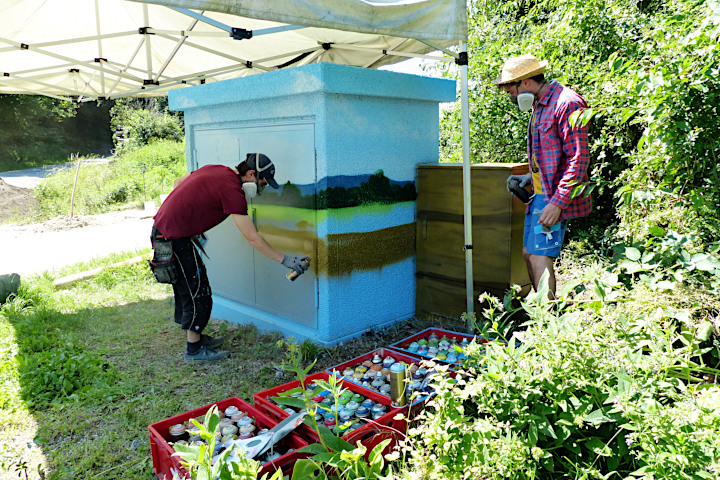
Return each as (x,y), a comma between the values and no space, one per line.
(558,154)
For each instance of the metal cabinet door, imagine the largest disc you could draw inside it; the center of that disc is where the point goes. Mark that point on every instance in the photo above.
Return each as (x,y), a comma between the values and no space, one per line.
(230,260)
(236,270)
(291,229)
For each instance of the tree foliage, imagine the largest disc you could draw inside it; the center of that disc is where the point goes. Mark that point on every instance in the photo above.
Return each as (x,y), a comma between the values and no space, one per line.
(649,71)
(37,130)
(141,121)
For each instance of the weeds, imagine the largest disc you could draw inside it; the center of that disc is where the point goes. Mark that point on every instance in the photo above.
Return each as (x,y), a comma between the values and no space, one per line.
(136,176)
(591,391)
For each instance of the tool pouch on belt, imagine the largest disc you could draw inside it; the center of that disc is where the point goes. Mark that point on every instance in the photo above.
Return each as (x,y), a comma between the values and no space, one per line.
(162,264)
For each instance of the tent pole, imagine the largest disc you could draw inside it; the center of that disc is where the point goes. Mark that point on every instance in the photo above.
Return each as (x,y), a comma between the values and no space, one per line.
(467,212)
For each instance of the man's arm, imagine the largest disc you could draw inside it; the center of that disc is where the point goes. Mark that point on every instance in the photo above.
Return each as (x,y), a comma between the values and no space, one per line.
(576,147)
(247,228)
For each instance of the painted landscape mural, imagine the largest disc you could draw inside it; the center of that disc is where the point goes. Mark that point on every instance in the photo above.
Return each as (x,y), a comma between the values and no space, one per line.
(366,210)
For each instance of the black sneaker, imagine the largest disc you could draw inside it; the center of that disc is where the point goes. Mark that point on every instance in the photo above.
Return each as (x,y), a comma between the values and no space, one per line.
(205,354)
(211,342)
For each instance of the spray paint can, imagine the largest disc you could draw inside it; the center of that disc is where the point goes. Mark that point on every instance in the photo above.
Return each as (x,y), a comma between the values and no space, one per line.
(292,274)
(518,191)
(397,385)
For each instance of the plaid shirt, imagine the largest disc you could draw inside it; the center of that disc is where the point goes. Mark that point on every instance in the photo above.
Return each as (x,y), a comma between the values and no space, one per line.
(561,151)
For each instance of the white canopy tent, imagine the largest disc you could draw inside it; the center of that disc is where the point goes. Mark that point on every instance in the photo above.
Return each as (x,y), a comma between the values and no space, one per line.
(84,50)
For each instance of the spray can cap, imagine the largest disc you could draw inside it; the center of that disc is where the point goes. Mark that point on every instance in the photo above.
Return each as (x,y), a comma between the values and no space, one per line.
(397,367)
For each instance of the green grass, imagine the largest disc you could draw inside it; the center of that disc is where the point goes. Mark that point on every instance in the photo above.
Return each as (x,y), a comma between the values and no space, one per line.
(122,321)
(124,318)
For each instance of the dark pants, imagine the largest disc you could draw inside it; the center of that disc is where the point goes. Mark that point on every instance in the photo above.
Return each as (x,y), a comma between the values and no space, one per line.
(193,297)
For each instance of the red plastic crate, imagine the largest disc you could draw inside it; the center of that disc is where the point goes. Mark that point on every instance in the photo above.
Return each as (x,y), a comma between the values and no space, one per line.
(165,465)
(369,435)
(408,358)
(402,345)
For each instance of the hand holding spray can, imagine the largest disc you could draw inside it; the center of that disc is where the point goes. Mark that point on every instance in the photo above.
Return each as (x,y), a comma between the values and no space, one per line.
(293,274)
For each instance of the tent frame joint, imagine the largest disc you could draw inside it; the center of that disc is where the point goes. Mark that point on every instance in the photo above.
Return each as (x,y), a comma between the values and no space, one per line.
(145,31)
(468,247)
(240,33)
(462,59)
(150,81)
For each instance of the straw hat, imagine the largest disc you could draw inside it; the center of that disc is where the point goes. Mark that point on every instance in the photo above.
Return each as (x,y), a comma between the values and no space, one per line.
(520,68)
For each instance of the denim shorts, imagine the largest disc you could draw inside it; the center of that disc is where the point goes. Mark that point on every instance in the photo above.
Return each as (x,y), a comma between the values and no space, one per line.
(538,239)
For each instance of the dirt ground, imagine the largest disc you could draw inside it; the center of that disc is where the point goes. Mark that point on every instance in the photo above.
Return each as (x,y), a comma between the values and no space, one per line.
(62,241)
(16,202)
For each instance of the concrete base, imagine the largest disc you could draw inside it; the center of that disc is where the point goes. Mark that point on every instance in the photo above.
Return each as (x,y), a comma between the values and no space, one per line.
(238,313)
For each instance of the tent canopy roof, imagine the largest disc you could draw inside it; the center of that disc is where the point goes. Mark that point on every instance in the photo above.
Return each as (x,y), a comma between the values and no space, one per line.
(90,49)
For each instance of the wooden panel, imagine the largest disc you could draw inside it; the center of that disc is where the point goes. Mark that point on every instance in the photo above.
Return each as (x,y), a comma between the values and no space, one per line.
(497,223)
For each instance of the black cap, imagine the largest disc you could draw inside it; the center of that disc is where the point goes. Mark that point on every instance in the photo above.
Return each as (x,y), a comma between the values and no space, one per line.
(263,166)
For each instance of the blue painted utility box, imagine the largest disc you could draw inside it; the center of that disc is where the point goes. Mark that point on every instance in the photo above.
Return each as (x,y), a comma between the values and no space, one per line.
(346,142)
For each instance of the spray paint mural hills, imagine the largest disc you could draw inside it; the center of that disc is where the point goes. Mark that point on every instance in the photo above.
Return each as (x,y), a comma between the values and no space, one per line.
(341,191)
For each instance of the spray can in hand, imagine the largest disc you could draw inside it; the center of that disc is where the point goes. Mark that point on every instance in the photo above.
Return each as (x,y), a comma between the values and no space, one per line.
(397,385)
(518,191)
(292,274)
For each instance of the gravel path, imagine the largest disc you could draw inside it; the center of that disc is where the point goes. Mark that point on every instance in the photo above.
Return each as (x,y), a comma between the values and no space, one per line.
(32,249)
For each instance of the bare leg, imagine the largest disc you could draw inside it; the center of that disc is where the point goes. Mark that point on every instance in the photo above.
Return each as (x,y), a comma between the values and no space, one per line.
(193,337)
(526,256)
(537,265)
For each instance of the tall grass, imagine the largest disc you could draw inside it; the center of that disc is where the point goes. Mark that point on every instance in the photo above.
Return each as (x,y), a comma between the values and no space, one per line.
(136,176)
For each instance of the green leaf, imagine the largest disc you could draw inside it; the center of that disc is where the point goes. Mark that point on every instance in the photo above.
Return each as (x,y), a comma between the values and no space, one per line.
(574,118)
(306,468)
(333,459)
(656,231)
(587,115)
(335,443)
(632,253)
(314,448)
(704,331)
(599,290)
(290,401)
(532,434)
(548,463)
(704,262)
(546,428)
(375,457)
(569,287)
(665,285)
(598,447)
(627,114)
(597,417)
(631,267)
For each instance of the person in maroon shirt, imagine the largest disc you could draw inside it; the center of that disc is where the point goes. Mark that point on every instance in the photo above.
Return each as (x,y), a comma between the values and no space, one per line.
(199,201)
(559,154)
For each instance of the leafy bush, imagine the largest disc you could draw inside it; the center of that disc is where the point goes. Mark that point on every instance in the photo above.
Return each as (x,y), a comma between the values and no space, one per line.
(138,122)
(64,371)
(135,176)
(589,393)
(648,71)
(665,260)
(52,364)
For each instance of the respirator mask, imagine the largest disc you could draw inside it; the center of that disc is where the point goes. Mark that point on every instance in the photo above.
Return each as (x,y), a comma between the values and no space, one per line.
(524,101)
(250,189)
